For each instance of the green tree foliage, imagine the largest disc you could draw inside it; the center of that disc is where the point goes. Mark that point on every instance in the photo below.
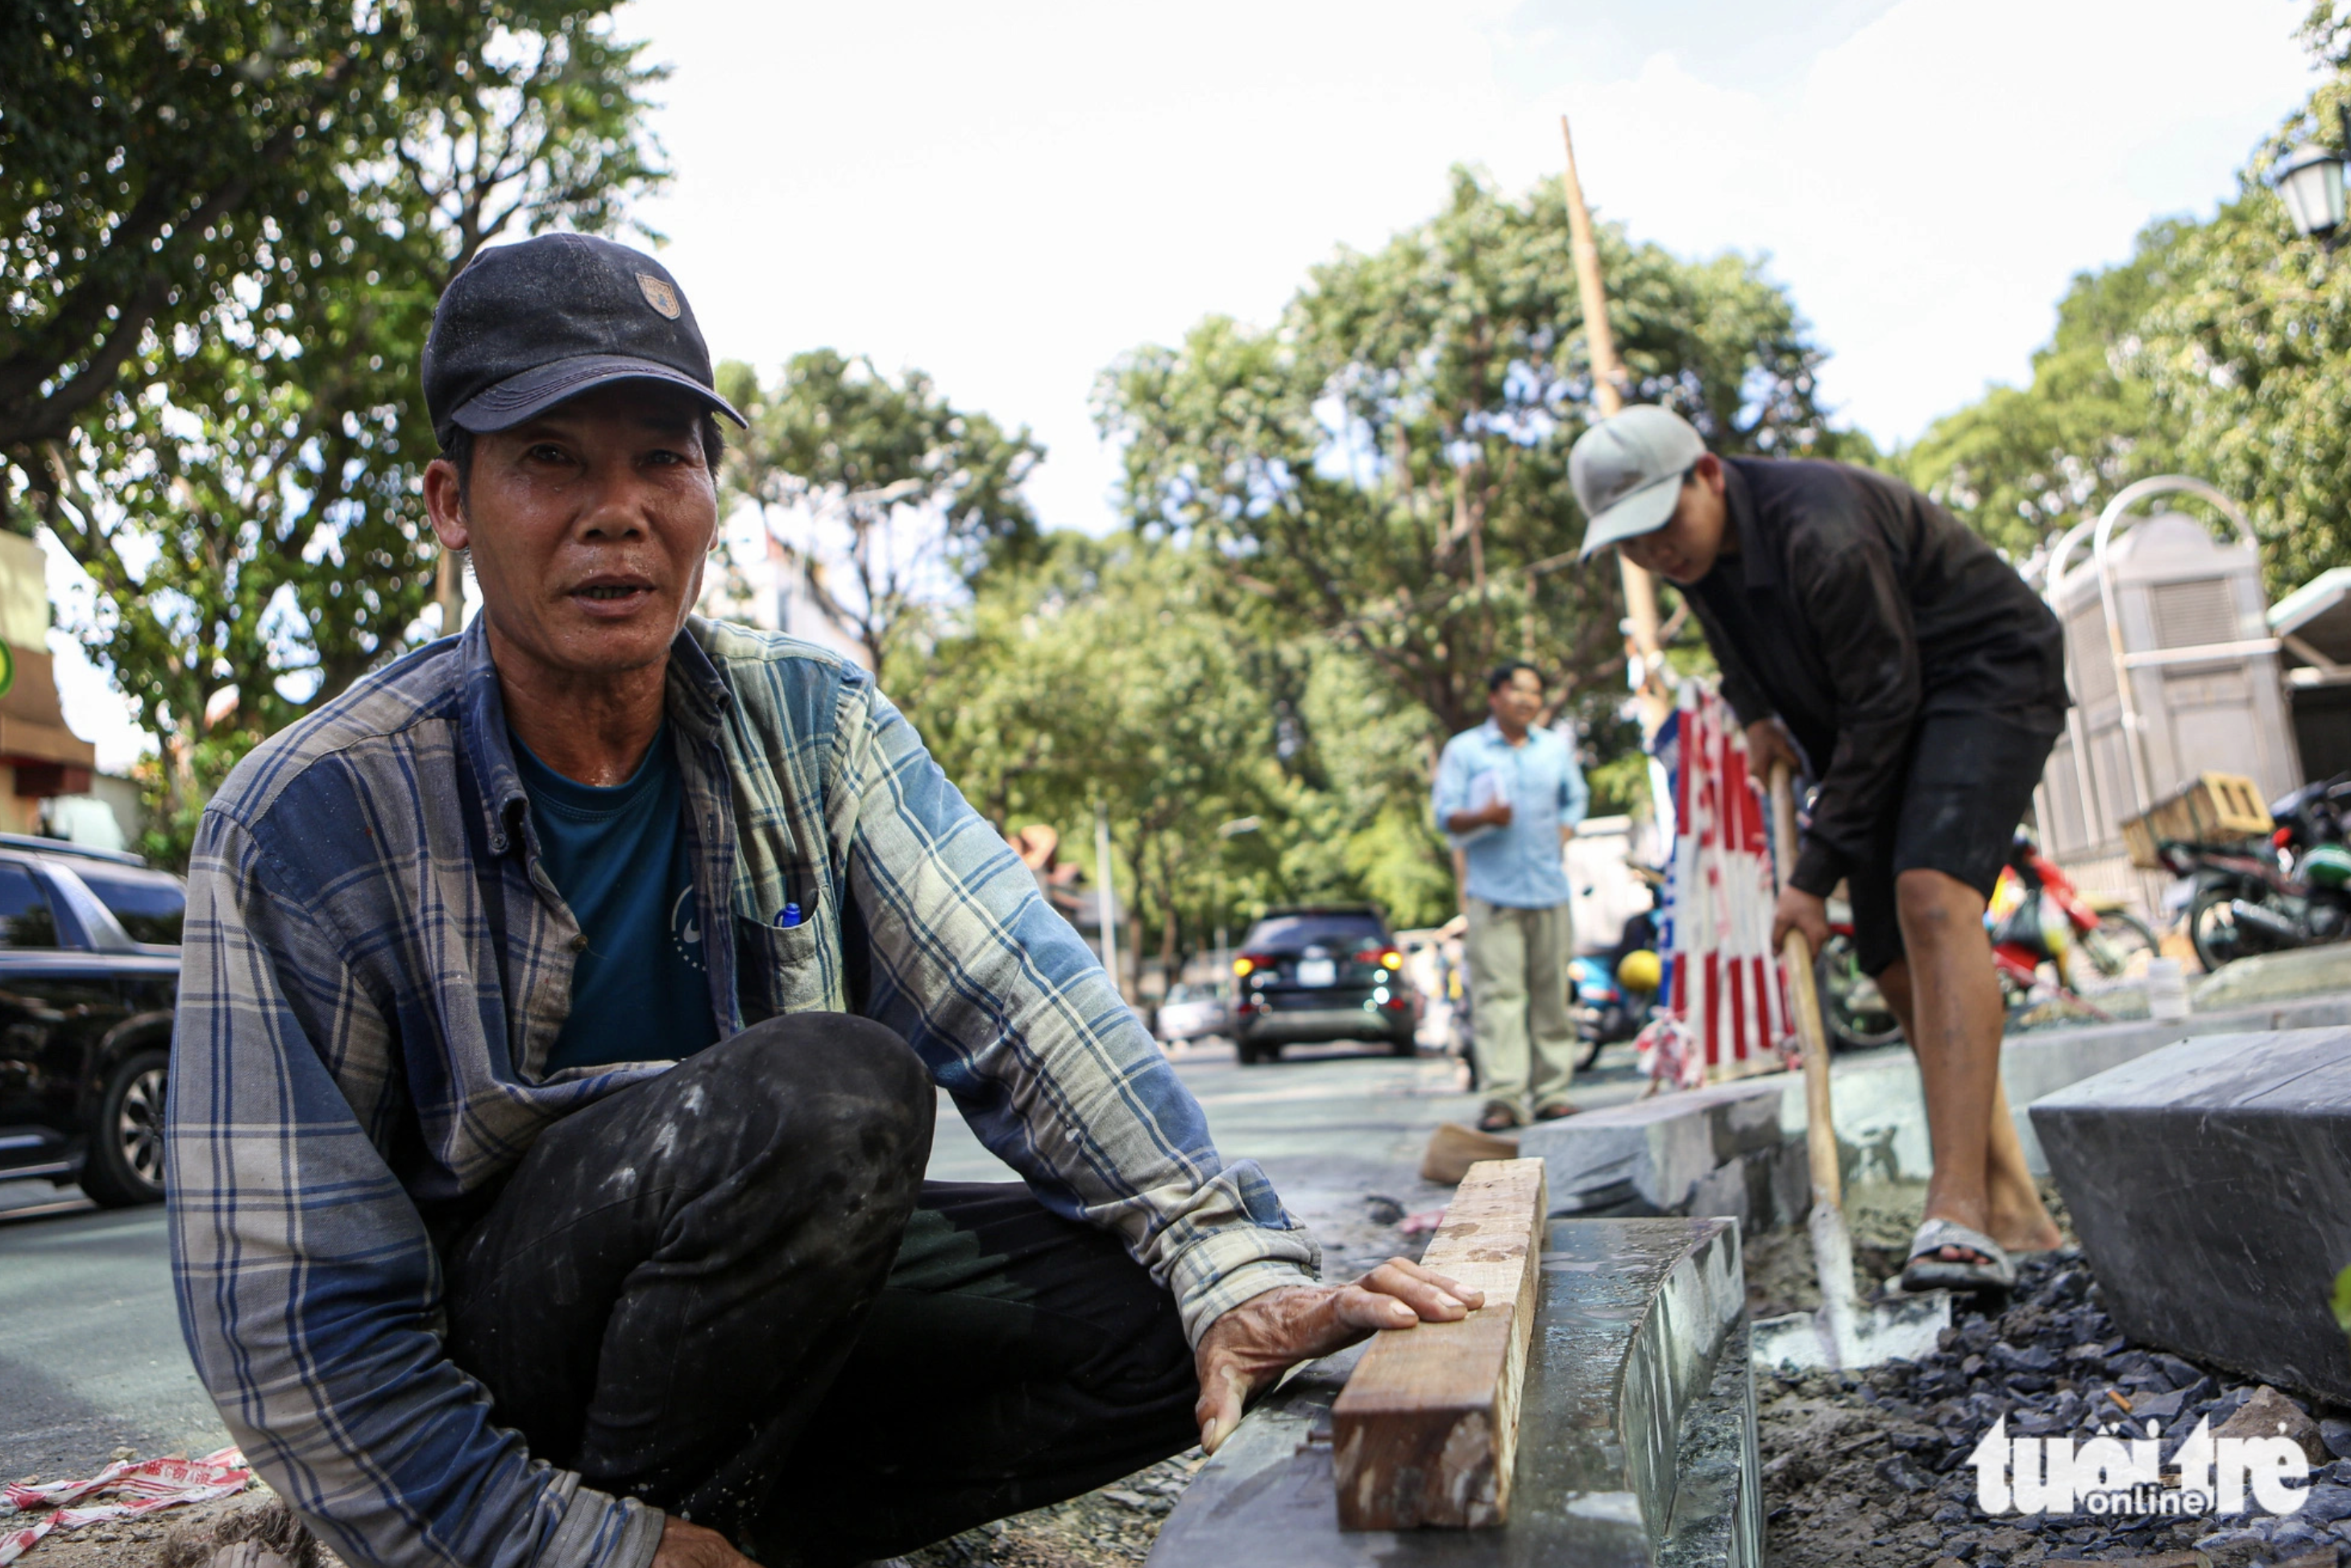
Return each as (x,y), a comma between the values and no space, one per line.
(884,496)
(1109,674)
(2221,349)
(147,153)
(1126,674)
(1388,466)
(161,162)
(1358,824)
(2025,463)
(245,488)
(2247,356)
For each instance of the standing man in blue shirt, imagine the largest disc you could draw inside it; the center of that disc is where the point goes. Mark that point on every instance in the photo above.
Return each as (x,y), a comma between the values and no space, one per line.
(1509,794)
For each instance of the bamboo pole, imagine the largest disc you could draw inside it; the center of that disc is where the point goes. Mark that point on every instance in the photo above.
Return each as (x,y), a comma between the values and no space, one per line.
(1803,998)
(1607,394)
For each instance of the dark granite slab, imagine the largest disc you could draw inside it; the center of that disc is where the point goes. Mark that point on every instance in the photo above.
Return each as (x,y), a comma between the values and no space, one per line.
(2211,1183)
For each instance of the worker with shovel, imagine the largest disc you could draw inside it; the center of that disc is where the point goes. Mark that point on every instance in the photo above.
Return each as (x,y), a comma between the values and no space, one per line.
(1869,640)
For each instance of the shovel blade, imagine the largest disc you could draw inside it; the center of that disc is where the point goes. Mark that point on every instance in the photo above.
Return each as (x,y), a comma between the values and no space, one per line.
(1904,1329)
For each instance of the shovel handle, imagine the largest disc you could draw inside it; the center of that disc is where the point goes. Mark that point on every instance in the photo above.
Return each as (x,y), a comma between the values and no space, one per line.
(1796,961)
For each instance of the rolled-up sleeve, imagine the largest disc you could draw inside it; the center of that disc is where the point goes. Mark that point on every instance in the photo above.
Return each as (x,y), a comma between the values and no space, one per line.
(1021,1025)
(309,1290)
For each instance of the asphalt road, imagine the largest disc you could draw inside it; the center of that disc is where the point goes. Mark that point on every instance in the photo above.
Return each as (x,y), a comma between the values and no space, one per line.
(90,1356)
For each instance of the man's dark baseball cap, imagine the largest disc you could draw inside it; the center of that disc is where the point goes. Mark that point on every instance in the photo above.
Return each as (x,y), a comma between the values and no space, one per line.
(527,326)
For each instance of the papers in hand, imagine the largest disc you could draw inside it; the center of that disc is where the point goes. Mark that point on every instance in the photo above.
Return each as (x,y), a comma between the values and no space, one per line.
(1485,790)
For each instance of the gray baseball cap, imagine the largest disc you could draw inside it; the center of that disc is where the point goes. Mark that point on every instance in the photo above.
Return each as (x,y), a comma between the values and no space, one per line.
(1628,473)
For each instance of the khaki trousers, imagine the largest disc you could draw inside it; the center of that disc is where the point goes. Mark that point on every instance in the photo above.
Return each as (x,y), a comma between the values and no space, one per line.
(1518,1004)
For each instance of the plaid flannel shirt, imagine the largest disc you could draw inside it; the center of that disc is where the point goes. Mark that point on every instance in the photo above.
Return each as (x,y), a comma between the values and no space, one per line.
(375,969)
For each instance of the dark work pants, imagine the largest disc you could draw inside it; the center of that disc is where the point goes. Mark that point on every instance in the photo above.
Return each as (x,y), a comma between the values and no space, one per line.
(727,1290)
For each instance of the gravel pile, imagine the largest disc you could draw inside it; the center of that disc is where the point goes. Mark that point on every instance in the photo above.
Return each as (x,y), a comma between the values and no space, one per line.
(1114,1525)
(1873,1468)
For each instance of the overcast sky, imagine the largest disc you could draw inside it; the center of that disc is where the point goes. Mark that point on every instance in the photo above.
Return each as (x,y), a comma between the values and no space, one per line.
(1010,195)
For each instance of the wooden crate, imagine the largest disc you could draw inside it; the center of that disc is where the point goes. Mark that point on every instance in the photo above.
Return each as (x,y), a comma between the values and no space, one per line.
(2217,809)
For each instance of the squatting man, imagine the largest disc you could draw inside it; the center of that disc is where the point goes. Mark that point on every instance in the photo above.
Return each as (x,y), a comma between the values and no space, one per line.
(562,1016)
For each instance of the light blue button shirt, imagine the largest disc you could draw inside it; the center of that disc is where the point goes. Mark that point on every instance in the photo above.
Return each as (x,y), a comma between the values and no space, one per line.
(1520,866)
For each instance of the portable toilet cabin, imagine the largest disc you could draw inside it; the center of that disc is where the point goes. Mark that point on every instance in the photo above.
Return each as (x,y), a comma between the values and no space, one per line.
(2174,673)
(2312,623)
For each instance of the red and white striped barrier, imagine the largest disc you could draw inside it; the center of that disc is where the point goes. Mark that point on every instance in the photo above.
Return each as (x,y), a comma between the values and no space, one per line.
(148,1484)
(1726,1014)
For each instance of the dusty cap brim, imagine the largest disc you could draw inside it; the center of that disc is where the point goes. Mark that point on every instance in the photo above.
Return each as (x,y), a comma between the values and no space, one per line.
(540,388)
(1635,513)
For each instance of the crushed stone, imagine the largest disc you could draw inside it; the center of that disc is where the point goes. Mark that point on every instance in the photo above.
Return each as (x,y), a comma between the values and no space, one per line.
(1115,1524)
(1871,1468)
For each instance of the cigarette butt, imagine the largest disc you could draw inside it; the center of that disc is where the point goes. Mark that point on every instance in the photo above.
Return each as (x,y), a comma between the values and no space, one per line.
(2117,1398)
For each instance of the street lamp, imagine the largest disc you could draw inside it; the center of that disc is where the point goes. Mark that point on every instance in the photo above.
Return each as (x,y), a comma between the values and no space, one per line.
(2310,181)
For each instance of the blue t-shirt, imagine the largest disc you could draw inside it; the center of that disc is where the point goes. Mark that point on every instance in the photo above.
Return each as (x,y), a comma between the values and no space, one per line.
(620,858)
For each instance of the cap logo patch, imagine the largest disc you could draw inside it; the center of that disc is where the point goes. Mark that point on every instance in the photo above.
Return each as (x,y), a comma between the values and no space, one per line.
(660,296)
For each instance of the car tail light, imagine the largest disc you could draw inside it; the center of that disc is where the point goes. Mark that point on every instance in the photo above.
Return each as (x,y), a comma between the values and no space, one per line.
(1249,964)
(1386,958)
(2282,838)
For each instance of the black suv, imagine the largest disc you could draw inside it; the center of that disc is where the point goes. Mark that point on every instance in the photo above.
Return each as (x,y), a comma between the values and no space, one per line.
(90,966)
(1324,972)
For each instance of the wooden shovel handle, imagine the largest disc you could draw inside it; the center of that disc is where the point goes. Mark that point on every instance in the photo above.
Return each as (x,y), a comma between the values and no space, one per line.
(1803,999)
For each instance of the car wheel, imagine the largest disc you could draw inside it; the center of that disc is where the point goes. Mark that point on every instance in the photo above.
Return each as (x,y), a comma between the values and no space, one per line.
(1406,1045)
(124,1164)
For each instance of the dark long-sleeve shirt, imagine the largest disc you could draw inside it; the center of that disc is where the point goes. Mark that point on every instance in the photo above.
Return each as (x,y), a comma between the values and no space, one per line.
(1855,607)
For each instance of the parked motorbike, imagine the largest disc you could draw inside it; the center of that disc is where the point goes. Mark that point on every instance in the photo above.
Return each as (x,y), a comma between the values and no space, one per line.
(2245,900)
(1853,1010)
(2037,916)
(1611,994)
(2309,817)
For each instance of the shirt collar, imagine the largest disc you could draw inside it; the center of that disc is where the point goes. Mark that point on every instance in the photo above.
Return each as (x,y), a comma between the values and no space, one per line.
(695,695)
(1759,557)
(1491,730)
(698,694)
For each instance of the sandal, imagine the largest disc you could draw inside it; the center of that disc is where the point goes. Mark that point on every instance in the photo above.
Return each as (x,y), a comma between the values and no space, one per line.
(1498,1119)
(1990,1269)
(1555,1113)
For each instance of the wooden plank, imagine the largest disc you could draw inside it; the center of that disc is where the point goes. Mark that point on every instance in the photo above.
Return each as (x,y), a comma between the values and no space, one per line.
(1426,1432)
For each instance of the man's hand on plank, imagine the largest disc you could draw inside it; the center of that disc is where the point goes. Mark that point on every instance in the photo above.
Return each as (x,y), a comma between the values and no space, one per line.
(1255,1342)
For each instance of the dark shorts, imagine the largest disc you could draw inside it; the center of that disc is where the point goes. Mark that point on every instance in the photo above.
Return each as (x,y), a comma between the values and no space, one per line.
(1968,782)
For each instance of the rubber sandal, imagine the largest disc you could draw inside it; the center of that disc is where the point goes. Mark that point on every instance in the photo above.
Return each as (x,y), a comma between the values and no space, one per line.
(1925,1271)
(1497,1120)
(1555,1113)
